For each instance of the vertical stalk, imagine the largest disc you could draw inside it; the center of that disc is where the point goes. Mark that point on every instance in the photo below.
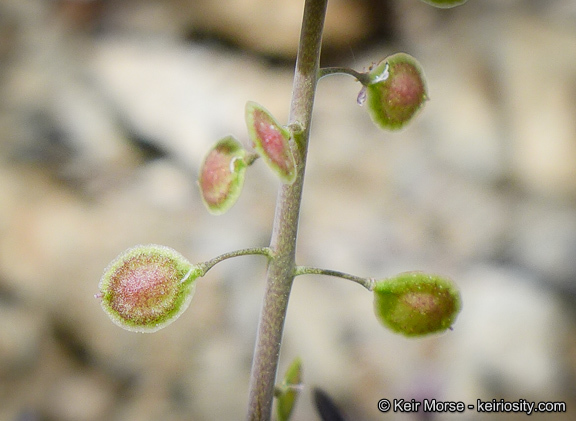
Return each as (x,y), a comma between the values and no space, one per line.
(280,272)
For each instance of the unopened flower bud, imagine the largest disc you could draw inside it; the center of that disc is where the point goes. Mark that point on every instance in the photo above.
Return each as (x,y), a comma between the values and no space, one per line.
(147,287)
(416,304)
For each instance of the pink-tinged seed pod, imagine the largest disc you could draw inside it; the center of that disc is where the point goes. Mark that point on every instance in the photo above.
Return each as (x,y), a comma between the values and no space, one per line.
(396,91)
(222,175)
(445,4)
(416,304)
(271,141)
(147,287)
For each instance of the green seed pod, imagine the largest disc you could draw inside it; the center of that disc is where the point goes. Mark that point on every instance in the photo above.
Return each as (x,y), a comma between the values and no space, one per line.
(416,304)
(445,4)
(271,141)
(396,91)
(222,175)
(147,287)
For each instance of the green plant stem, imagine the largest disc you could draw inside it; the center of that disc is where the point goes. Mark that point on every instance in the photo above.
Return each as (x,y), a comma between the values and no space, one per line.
(367,283)
(209,264)
(280,272)
(363,78)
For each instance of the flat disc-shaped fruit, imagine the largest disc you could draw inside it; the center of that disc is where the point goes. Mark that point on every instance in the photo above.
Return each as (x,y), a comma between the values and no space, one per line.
(445,4)
(416,303)
(271,141)
(147,287)
(222,175)
(396,91)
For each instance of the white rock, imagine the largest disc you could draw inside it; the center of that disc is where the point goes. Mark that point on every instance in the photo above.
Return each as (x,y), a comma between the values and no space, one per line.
(507,340)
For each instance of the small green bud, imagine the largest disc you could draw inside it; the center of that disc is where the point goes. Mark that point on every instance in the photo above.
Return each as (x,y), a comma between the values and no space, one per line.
(147,287)
(416,304)
(222,175)
(396,91)
(271,141)
(445,4)
(288,391)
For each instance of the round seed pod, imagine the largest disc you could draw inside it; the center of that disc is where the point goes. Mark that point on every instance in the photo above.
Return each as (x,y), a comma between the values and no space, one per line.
(271,141)
(396,91)
(445,4)
(147,287)
(222,175)
(416,304)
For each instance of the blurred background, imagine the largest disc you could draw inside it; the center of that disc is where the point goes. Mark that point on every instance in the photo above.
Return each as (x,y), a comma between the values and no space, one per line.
(107,108)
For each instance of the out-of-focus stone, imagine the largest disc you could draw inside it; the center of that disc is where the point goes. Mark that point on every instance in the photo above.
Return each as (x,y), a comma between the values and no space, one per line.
(539,65)
(464,120)
(526,326)
(79,397)
(543,239)
(273,28)
(184,99)
(269,28)
(21,333)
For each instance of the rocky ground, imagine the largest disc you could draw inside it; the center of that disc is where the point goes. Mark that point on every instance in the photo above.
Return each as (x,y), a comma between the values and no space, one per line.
(106,110)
